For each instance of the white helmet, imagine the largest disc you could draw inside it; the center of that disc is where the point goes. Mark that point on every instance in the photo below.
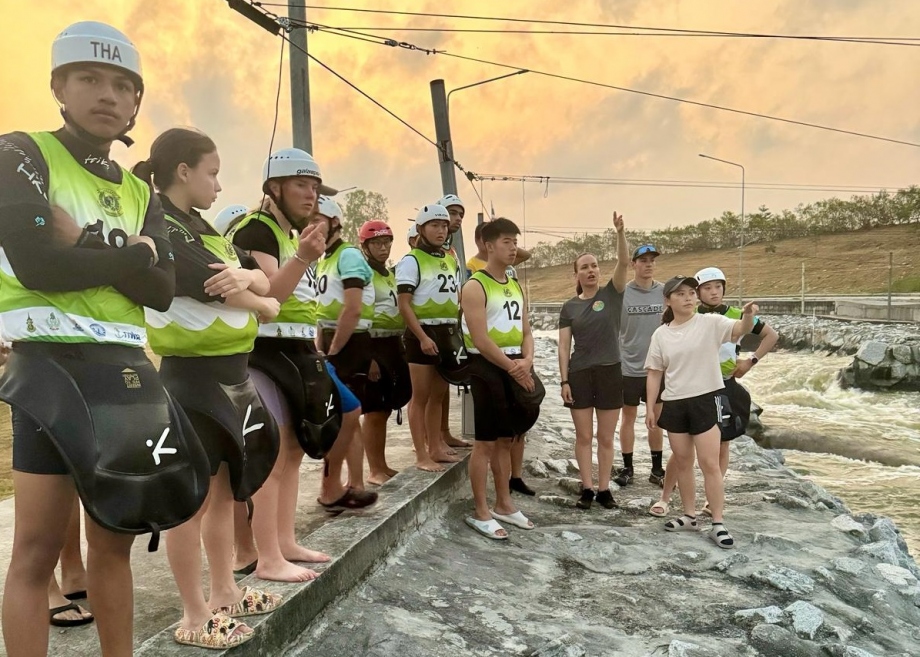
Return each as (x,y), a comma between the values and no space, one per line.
(290,162)
(431,213)
(329,208)
(709,274)
(413,232)
(450,199)
(89,42)
(227,215)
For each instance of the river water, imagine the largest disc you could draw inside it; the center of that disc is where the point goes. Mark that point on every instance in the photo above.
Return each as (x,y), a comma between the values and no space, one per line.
(799,391)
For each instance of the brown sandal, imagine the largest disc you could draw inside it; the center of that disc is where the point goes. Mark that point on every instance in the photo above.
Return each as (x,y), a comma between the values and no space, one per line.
(254,602)
(220,632)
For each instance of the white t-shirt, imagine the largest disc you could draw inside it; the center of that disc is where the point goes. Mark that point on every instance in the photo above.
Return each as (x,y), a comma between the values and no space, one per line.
(688,355)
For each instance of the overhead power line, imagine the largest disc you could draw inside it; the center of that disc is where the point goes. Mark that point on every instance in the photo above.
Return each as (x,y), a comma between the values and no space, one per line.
(381,40)
(648,29)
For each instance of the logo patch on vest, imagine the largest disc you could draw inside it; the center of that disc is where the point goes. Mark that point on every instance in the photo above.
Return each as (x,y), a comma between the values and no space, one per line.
(30,324)
(443,266)
(159,449)
(507,292)
(132,380)
(598,306)
(53,322)
(110,202)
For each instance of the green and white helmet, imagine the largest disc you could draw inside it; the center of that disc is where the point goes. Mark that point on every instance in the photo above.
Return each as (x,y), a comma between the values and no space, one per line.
(90,42)
(290,163)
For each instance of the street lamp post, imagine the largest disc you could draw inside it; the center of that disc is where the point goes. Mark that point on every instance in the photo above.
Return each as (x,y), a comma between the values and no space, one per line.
(440,102)
(741,245)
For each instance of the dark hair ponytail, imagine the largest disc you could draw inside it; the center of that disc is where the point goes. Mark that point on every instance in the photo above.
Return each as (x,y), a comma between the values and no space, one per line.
(667,316)
(174,147)
(578,288)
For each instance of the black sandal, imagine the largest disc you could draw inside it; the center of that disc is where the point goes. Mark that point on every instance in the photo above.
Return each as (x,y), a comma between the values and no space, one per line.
(66,622)
(352,499)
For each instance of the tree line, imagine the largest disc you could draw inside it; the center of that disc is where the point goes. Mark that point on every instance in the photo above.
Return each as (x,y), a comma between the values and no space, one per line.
(764,226)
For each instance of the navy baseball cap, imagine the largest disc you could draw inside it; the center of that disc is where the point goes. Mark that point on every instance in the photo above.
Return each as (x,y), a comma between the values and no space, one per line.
(645,249)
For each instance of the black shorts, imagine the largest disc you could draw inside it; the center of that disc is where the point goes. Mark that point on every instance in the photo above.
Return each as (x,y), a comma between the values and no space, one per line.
(352,362)
(695,415)
(495,412)
(440,333)
(33,450)
(634,390)
(599,387)
(226,370)
(394,388)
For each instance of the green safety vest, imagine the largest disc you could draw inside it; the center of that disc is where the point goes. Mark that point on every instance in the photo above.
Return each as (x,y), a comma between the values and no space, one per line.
(504,314)
(387,320)
(297,317)
(436,299)
(195,328)
(94,315)
(331,293)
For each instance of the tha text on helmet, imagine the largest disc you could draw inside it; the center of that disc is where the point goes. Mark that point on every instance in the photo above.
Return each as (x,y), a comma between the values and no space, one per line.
(107,51)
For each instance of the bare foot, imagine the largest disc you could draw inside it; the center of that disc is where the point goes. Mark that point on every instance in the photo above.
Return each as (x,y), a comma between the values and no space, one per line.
(285,572)
(443,457)
(378,478)
(443,448)
(429,466)
(298,553)
(450,441)
(391,472)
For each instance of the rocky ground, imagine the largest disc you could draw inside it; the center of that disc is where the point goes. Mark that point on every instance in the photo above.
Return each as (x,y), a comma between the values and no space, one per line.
(807,578)
(799,332)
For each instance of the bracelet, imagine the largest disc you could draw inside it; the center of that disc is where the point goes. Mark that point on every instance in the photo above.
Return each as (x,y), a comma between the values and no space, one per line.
(564,383)
(297,257)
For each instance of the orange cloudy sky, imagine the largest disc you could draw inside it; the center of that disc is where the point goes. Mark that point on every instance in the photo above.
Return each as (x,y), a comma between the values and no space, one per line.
(206,66)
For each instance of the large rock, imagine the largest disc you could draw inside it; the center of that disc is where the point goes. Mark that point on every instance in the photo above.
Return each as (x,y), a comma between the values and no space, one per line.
(775,641)
(806,618)
(771,615)
(872,352)
(785,579)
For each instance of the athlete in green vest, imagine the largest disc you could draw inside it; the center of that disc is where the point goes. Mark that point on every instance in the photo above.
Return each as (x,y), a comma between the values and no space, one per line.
(204,340)
(428,294)
(84,249)
(506,392)
(284,244)
(388,387)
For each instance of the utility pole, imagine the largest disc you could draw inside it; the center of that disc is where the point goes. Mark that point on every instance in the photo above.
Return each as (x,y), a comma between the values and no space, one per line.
(300,78)
(446,160)
(802,310)
(890,274)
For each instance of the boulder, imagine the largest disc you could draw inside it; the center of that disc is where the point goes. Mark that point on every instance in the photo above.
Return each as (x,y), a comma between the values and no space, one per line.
(775,641)
(806,618)
(785,579)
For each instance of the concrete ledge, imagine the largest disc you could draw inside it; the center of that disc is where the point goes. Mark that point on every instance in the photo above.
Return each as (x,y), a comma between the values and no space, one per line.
(356,541)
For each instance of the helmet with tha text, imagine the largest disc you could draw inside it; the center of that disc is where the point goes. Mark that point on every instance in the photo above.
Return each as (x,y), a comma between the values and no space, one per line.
(91,42)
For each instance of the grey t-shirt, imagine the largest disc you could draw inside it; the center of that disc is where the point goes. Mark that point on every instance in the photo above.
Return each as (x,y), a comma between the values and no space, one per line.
(641,316)
(595,324)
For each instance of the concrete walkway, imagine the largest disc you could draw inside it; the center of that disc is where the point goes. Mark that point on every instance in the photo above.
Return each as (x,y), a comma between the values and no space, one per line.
(354,540)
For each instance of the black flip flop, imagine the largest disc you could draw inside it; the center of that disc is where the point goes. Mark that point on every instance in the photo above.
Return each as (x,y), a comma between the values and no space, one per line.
(352,499)
(247,570)
(57,622)
(76,595)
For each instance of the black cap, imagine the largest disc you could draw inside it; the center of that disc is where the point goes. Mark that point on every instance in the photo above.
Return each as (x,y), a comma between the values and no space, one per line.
(645,249)
(677,281)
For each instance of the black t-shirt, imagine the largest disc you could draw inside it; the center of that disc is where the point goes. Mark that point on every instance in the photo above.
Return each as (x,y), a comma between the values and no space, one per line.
(192,258)
(256,236)
(595,325)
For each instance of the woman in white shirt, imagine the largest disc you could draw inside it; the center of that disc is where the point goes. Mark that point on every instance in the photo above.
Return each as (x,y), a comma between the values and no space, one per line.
(685,350)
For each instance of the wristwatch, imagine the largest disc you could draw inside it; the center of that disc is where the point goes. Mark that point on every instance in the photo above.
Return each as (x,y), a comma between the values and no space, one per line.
(754,360)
